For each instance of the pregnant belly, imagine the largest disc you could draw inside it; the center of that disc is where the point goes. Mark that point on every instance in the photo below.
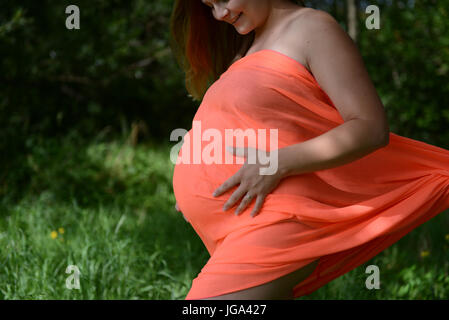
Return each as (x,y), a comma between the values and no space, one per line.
(193,185)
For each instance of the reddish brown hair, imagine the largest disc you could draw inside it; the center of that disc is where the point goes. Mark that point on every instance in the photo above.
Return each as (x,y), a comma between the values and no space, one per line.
(203,46)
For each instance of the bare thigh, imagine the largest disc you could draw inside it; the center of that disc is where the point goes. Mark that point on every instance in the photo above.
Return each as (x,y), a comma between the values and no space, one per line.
(280,288)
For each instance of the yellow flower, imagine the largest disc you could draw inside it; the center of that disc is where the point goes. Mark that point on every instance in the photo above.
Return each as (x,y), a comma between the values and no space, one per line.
(424,254)
(53,234)
(61,230)
(447,237)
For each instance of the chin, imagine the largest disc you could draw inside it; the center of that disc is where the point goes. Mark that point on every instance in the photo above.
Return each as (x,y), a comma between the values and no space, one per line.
(243,31)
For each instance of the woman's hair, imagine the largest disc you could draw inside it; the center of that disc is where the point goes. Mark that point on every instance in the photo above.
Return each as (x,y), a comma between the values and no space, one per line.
(203,46)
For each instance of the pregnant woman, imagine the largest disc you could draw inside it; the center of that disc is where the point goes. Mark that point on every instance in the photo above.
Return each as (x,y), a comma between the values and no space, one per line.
(344,187)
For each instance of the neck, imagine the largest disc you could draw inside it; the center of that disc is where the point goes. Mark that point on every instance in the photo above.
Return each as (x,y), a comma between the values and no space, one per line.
(277,12)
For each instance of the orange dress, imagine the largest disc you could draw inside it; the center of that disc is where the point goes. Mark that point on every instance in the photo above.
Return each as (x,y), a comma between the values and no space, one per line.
(342,216)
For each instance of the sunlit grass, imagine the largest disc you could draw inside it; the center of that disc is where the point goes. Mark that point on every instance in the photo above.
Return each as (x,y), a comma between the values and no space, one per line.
(108,208)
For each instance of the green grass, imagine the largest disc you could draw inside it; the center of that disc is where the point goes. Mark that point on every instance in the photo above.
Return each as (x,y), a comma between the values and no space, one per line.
(116,205)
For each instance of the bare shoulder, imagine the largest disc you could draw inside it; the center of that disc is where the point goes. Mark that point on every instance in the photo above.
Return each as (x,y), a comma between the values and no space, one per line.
(336,63)
(316,28)
(316,13)
(309,17)
(301,29)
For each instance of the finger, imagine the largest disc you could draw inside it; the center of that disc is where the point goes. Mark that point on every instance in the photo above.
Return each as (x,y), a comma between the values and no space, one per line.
(231,182)
(235,150)
(247,199)
(238,194)
(259,202)
(242,152)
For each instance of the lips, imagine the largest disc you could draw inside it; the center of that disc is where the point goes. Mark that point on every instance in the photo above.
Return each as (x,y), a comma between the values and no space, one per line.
(237,18)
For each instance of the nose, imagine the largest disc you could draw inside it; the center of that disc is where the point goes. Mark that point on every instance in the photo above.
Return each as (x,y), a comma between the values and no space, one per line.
(221,12)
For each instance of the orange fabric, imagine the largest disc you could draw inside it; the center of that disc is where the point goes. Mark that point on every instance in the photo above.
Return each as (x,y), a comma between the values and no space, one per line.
(343,216)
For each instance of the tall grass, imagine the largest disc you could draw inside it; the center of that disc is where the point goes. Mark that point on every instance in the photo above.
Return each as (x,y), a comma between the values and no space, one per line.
(108,208)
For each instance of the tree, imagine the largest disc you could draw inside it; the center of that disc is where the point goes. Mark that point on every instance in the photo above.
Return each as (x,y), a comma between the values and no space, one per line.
(352,9)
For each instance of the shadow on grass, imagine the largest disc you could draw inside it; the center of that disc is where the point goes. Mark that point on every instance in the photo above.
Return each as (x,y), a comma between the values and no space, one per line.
(116,177)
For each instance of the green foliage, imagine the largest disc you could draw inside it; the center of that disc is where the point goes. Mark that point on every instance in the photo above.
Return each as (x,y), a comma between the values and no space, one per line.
(408,60)
(118,67)
(75,103)
(116,206)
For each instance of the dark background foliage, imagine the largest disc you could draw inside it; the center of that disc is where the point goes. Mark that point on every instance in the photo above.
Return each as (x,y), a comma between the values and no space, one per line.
(117,74)
(85,123)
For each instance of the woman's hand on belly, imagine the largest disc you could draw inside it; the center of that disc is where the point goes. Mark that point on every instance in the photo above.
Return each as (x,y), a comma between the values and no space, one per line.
(252,183)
